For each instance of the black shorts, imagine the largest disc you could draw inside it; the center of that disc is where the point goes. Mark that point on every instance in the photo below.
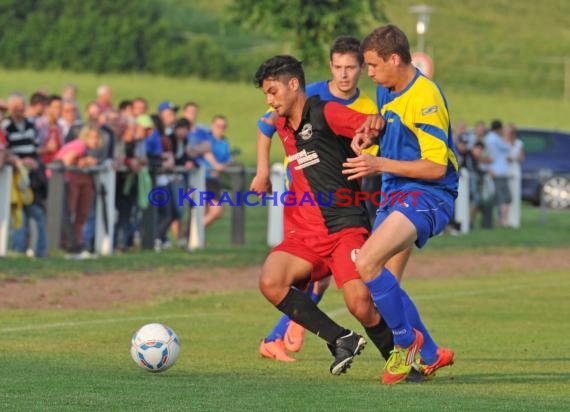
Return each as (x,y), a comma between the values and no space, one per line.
(214,186)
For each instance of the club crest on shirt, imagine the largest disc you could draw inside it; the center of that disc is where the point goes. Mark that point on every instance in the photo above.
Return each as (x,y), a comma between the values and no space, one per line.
(429,110)
(353,254)
(307,132)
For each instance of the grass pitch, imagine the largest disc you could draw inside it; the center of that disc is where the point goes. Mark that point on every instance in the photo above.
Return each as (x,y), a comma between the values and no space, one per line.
(508,332)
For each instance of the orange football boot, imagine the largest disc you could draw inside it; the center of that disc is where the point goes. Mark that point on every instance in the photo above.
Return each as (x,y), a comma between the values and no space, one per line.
(275,350)
(444,358)
(294,337)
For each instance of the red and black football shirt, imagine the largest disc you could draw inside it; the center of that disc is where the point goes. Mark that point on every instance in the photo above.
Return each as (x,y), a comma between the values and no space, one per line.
(316,152)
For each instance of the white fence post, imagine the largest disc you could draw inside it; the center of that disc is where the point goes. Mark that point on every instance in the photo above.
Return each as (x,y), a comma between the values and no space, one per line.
(5,191)
(105,181)
(197,232)
(462,202)
(515,186)
(275,214)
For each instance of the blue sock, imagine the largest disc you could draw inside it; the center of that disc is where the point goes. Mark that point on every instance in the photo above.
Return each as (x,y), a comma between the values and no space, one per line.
(429,349)
(385,292)
(279,330)
(310,292)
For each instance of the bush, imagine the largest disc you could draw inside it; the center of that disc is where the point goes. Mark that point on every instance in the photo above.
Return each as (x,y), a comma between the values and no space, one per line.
(104,36)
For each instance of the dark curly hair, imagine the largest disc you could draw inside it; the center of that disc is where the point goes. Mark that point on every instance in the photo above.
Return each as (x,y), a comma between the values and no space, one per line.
(281,68)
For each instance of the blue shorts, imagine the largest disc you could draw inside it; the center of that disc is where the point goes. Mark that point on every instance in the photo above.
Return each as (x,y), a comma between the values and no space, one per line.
(427,213)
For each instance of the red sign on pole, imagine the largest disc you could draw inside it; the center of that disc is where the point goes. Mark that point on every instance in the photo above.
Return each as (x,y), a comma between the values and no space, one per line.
(423,62)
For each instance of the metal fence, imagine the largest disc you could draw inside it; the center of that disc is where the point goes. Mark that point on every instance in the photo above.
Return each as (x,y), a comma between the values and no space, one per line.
(105,181)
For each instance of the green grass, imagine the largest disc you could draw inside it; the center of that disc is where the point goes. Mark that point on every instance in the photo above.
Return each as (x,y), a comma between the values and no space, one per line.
(507,331)
(514,48)
(539,229)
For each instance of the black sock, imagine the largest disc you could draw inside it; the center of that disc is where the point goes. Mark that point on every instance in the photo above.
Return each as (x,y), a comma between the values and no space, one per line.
(301,309)
(382,337)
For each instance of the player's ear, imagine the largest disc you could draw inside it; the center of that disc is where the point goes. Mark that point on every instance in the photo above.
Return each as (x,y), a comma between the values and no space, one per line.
(294,84)
(395,59)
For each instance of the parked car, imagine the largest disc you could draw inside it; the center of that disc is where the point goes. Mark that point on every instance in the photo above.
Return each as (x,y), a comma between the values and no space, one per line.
(546,168)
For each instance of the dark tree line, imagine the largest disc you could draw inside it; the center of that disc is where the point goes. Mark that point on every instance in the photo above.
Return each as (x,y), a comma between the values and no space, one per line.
(136,36)
(104,36)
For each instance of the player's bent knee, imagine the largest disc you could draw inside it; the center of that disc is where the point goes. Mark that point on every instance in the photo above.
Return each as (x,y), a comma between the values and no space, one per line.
(273,287)
(368,266)
(359,312)
(267,282)
(364,312)
(364,268)
(359,303)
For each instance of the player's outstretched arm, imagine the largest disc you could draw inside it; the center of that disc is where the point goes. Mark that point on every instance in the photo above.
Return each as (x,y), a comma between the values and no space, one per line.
(262,182)
(366,165)
(361,128)
(362,165)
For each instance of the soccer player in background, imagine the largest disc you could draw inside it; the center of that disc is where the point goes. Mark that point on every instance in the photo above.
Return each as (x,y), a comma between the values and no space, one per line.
(320,231)
(346,62)
(417,154)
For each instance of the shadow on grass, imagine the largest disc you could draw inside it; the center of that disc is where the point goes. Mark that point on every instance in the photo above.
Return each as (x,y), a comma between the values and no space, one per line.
(507,359)
(511,378)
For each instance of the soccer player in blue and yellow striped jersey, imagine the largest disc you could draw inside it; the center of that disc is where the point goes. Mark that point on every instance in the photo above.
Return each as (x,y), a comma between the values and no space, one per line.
(418,163)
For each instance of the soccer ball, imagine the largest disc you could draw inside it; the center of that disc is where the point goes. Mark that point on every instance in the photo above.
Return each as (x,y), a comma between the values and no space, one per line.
(155,347)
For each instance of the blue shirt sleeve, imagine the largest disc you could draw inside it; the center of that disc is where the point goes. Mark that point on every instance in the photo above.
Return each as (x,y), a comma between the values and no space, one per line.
(197,136)
(153,146)
(267,129)
(223,154)
(320,89)
(221,149)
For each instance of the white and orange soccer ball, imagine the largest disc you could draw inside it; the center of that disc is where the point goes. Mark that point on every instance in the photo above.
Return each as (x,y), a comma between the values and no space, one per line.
(155,347)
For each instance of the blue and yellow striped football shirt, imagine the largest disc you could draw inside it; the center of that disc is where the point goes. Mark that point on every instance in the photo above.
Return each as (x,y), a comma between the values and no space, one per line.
(418,127)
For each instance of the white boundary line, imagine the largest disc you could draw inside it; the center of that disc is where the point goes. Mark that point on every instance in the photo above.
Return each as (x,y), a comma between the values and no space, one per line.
(60,325)
(333,313)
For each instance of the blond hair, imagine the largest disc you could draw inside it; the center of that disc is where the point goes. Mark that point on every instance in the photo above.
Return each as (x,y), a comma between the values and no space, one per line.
(84,134)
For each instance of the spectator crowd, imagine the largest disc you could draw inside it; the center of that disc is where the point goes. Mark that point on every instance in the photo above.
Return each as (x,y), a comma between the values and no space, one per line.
(146,148)
(493,157)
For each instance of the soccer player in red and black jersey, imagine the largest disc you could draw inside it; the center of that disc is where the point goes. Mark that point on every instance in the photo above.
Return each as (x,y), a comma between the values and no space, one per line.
(346,63)
(319,233)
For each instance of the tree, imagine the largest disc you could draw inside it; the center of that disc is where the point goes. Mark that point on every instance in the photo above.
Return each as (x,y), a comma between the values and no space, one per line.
(315,23)
(105,36)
